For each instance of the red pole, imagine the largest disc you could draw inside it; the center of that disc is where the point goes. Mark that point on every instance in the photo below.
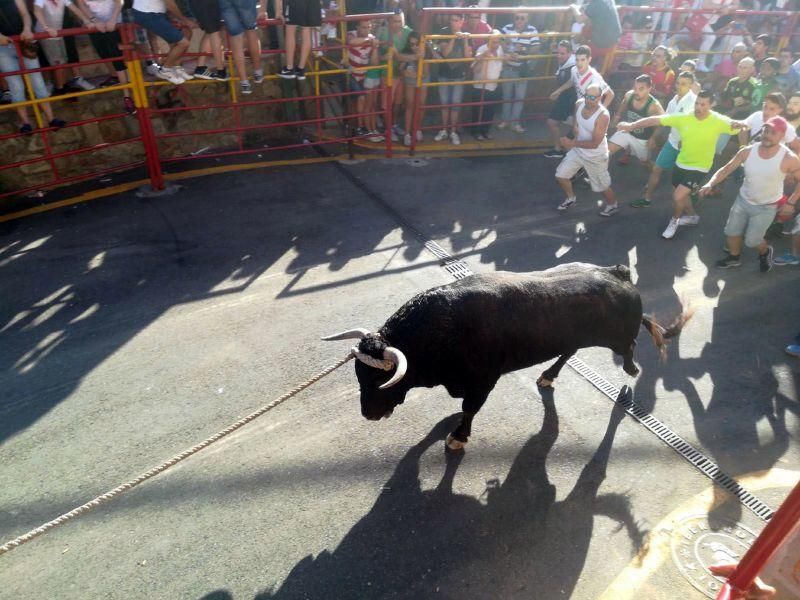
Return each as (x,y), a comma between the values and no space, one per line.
(776,531)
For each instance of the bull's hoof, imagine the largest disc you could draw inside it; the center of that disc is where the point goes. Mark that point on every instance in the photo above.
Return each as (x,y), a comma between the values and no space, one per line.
(455,444)
(631,370)
(544,382)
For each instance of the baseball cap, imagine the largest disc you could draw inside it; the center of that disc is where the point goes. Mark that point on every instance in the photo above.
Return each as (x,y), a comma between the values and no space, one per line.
(779,124)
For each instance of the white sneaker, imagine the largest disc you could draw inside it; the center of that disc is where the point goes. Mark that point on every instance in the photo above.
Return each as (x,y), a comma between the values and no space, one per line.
(567,203)
(82,83)
(375,137)
(455,139)
(690,220)
(669,232)
(170,75)
(152,69)
(517,128)
(502,125)
(419,135)
(179,70)
(440,136)
(407,139)
(609,209)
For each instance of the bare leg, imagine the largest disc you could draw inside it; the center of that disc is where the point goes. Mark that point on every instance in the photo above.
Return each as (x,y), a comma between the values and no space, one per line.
(681,201)
(254,48)
(555,133)
(652,182)
(291,45)
(305,46)
(609,196)
(237,49)
(173,57)
(566,185)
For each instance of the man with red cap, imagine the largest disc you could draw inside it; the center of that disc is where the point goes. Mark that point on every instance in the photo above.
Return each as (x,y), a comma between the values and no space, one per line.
(766,164)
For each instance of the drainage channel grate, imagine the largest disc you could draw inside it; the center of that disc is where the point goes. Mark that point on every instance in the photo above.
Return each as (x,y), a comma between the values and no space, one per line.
(460,270)
(704,464)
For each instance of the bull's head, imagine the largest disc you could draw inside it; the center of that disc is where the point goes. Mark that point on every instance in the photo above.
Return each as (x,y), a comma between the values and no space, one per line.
(376,359)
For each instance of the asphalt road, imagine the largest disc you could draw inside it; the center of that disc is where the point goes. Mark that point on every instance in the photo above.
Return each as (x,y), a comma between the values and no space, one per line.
(131,329)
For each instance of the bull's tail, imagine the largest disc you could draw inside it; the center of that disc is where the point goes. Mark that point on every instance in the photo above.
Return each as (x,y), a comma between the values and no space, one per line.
(661,334)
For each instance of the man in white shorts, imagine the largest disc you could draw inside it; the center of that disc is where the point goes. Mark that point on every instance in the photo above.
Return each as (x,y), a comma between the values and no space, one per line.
(637,103)
(766,164)
(589,150)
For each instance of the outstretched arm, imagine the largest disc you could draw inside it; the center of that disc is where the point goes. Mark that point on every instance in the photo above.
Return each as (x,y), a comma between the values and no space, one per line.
(641,123)
(723,173)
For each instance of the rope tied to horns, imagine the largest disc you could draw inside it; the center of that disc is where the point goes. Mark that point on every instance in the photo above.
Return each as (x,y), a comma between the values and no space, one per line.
(103,498)
(378,363)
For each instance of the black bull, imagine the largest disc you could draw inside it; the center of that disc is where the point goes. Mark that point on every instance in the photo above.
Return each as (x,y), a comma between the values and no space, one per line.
(466,334)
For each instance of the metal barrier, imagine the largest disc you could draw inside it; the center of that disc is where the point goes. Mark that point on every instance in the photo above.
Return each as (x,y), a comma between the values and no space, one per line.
(155,139)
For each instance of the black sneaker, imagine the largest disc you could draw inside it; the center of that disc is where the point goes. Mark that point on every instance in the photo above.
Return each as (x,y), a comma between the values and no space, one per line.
(26,129)
(59,123)
(220,75)
(361,131)
(204,73)
(553,153)
(765,260)
(300,73)
(729,262)
(287,73)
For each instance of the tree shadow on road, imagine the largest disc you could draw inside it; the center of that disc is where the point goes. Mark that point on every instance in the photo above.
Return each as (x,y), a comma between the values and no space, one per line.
(417,543)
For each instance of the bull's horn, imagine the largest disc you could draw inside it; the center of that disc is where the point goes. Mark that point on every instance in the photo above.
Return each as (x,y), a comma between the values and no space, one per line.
(358,333)
(399,359)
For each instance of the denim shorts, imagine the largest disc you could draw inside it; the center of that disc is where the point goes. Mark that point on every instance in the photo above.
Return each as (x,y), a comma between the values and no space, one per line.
(159,24)
(239,15)
(666,158)
(451,94)
(750,220)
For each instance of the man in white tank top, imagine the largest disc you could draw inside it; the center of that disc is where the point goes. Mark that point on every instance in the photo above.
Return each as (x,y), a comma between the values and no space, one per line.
(589,150)
(766,164)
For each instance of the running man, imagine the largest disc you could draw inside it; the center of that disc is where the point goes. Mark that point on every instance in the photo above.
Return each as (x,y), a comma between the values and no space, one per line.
(682,103)
(589,150)
(699,133)
(766,164)
(636,104)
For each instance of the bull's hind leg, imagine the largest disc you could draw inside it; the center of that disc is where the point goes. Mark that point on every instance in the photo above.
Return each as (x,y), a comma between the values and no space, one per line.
(627,360)
(470,406)
(546,379)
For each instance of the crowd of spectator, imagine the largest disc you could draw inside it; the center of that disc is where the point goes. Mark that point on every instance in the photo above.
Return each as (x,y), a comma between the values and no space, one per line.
(741,67)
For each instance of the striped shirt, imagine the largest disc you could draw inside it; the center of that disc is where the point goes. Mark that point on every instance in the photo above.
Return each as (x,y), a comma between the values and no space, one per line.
(520,45)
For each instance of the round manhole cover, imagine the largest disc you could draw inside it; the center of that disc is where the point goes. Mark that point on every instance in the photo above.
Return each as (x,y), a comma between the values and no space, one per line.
(417,162)
(695,546)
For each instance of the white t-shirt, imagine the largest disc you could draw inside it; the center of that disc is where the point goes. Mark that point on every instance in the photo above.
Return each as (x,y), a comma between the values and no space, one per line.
(102,9)
(755,123)
(585,81)
(52,12)
(488,69)
(151,6)
(680,106)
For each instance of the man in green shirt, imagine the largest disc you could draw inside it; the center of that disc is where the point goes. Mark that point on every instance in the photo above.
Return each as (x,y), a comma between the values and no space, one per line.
(699,133)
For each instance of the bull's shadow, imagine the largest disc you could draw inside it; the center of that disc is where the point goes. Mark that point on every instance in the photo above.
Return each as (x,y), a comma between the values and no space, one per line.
(418,543)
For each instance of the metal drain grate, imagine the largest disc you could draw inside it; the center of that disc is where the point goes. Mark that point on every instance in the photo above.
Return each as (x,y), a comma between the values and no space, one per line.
(704,464)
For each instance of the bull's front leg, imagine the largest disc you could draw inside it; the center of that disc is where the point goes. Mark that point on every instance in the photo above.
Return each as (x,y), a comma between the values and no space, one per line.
(470,406)
(546,379)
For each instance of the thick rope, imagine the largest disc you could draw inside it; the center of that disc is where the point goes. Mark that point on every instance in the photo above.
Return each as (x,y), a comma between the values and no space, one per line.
(8,546)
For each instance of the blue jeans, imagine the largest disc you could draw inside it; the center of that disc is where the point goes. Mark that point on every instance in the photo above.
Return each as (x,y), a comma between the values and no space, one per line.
(451,94)
(513,90)
(10,62)
(239,15)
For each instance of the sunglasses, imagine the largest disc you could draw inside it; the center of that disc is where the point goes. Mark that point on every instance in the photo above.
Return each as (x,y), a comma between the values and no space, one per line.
(591,97)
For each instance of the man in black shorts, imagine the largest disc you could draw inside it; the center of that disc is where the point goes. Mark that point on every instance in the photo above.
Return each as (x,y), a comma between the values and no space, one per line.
(304,14)
(209,18)
(564,107)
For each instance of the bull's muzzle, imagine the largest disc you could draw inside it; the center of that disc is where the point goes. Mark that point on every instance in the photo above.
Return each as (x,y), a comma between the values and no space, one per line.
(392,357)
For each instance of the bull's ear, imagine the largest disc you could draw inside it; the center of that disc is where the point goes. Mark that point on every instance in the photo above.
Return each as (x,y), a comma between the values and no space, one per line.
(347,335)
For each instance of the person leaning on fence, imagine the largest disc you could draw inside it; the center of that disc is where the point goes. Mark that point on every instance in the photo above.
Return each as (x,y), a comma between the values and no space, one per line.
(106,40)
(589,151)
(516,66)
(394,40)
(699,131)
(208,15)
(410,68)
(681,103)
(152,15)
(485,95)
(50,18)
(241,22)
(766,163)
(636,104)
(605,28)
(305,14)
(475,25)
(565,97)
(450,74)
(362,50)
(16,20)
